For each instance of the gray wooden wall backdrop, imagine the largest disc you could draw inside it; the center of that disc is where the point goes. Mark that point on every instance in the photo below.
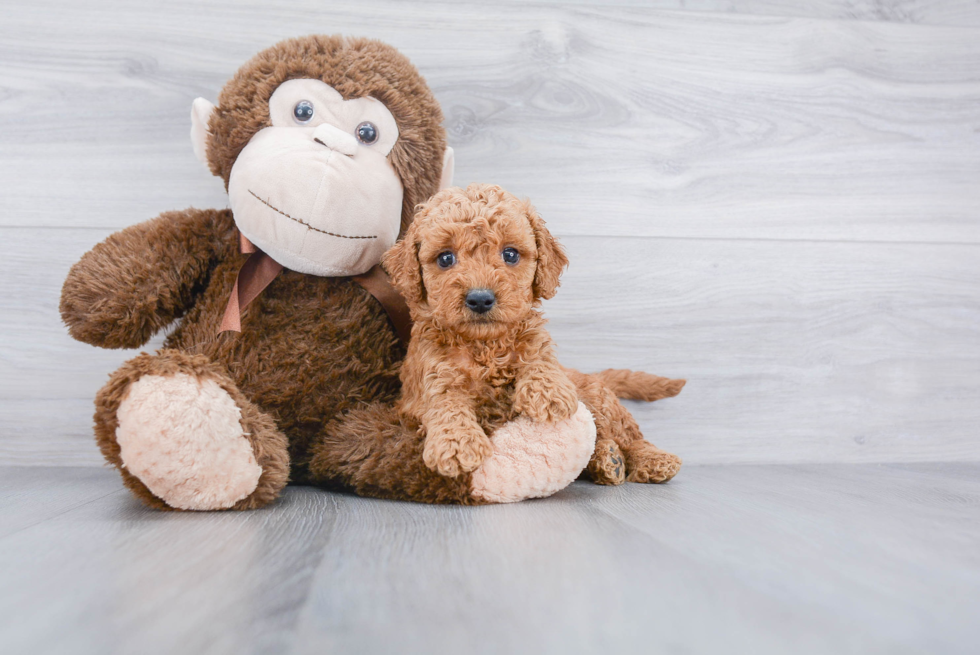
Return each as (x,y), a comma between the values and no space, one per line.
(776,200)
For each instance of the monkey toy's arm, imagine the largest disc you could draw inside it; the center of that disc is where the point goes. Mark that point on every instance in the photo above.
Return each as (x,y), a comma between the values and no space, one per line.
(140,279)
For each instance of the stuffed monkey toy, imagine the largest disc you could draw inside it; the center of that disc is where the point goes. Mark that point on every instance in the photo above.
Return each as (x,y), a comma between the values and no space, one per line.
(281,320)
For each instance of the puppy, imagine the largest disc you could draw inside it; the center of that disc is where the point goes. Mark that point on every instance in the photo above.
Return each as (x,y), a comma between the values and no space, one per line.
(473,268)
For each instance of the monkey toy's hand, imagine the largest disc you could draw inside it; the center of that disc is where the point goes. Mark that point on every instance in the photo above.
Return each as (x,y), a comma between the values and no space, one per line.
(141,279)
(545,395)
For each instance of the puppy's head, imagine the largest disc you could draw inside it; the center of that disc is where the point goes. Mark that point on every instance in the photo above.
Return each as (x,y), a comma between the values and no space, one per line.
(475,261)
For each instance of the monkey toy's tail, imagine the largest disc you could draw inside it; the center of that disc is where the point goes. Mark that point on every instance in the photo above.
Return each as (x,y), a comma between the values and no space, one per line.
(637,385)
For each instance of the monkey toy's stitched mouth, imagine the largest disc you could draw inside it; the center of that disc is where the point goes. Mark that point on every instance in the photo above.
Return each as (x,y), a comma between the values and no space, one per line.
(302,222)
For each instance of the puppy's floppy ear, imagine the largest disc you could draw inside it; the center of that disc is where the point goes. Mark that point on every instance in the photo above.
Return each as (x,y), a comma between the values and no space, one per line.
(551,257)
(403,266)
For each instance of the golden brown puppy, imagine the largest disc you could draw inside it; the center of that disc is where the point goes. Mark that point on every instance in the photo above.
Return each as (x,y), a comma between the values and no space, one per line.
(474,266)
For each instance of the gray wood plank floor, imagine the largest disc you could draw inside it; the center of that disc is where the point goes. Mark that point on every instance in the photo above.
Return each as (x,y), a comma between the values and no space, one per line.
(743,559)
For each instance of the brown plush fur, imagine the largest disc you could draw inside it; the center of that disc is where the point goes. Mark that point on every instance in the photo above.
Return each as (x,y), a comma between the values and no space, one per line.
(376,452)
(310,349)
(466,375)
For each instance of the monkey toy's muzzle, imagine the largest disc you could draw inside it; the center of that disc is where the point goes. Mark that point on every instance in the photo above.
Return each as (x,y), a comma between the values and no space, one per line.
(315,201)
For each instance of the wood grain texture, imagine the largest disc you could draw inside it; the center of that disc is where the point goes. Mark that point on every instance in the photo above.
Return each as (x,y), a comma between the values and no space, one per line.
(127,577)
(937,12)
(31,495)
(777,201)
(761,559)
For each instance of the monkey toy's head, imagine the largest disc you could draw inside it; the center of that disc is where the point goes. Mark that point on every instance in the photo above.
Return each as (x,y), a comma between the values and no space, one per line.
(325,144)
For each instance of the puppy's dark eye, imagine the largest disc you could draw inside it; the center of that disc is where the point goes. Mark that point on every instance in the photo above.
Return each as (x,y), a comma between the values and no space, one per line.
(303,111)
(446,259)
(511,256)
(366,133)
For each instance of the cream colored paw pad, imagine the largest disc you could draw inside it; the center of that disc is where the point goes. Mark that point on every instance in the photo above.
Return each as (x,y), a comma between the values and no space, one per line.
(182,437)
(533,460)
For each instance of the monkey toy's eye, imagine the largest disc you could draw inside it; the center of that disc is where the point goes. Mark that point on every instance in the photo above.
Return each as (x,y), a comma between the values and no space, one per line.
(446,259)
(303,111)
(366,133)
(511,256)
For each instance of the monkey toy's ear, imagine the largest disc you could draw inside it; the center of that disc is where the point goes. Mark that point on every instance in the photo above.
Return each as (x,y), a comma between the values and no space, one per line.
(551,258)
(402,263)
(448,168)
(200,115)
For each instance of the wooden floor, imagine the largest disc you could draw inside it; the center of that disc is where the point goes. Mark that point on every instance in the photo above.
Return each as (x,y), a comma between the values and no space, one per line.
(846,558)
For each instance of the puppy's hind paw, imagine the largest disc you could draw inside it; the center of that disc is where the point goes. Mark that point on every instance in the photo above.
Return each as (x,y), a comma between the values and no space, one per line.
(608,464)
(647,463)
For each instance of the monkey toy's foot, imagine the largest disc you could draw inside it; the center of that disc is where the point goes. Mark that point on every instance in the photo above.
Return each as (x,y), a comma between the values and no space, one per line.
(534,460)
(647,463)
(183,437)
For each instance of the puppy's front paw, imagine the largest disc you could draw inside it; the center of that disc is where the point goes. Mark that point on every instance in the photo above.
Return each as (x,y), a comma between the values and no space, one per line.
(456,453)
(546,400)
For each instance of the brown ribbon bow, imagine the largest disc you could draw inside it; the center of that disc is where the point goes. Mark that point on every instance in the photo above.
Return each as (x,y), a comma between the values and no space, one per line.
(259,270)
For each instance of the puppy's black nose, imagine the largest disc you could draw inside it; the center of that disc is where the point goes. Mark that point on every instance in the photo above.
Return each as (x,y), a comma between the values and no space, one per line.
(480,300)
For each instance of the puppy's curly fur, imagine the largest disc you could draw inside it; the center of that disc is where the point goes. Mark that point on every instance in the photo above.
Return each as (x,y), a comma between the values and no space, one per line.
(469,370)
